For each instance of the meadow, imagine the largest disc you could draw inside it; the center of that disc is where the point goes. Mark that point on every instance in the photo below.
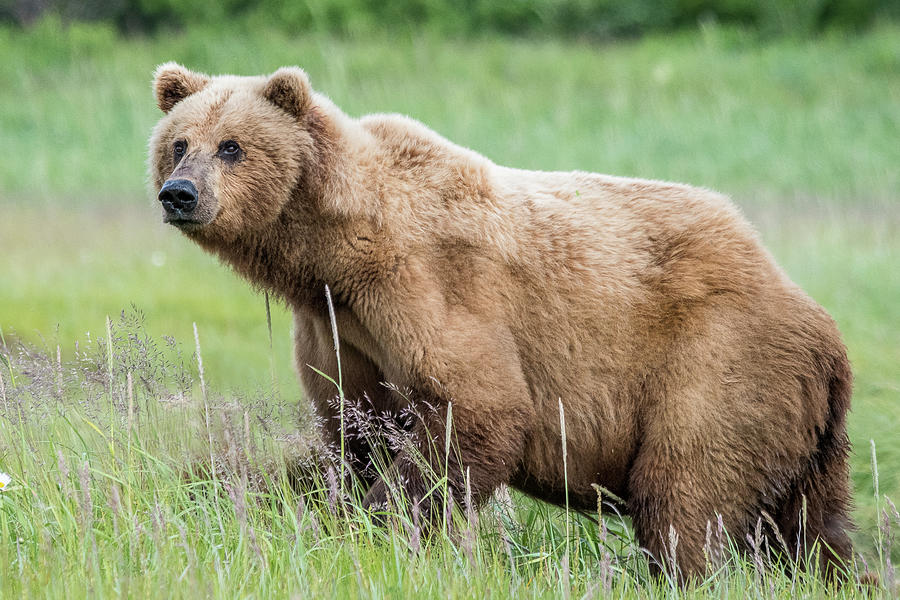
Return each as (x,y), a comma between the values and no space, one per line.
(105,417)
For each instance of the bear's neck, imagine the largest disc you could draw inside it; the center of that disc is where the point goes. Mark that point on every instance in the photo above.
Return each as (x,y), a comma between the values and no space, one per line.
(278,261)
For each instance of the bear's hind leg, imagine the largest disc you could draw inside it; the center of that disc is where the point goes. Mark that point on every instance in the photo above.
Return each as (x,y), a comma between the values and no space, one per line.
(816,508)
(685,476)
(669,522)
(815,512)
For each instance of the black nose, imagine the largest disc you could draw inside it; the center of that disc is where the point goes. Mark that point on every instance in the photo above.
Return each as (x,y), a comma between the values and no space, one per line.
(178,195)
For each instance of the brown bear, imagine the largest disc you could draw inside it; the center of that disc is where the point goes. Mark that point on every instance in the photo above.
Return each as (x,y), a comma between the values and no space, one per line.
(698,381)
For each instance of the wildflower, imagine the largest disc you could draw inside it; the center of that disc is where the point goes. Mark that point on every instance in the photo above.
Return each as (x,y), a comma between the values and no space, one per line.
(4,480)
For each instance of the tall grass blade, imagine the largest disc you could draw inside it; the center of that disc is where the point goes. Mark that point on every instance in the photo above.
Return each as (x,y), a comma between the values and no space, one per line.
(212,458)
(271,344)
(565,454)
(112,400)
(340,380)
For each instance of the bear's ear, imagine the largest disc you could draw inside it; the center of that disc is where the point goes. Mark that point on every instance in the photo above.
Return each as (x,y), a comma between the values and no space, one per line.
(288,88)
(173,83)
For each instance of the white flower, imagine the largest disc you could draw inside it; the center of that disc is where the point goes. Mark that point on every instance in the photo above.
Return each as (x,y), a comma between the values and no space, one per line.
(4,480)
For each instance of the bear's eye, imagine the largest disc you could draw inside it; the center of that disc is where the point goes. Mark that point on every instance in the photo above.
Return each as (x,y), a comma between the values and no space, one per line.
(230,151)
(179,148)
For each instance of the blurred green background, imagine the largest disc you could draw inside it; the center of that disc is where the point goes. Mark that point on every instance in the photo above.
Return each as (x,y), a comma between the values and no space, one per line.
(597,19)
(791,108)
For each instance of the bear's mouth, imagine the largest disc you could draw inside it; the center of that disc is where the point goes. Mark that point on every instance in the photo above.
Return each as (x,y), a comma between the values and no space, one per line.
(182,222)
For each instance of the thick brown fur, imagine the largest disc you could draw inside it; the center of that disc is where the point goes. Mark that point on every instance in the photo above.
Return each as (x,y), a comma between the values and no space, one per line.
(697,379)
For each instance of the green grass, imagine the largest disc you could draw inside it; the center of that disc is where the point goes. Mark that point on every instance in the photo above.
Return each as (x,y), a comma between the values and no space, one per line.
(112,496)
(802,134)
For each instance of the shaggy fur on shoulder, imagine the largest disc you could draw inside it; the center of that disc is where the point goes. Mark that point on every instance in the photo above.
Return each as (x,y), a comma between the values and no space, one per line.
(698,381)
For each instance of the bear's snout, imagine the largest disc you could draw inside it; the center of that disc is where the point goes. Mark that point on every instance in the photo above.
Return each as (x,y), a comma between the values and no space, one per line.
(179,198)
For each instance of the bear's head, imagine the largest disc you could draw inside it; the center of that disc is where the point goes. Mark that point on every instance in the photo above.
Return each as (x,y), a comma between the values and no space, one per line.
(230,151)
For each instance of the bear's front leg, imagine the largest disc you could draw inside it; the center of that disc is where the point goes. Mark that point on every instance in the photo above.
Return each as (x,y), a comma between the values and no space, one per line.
(368,404)
(473,380)
(483,451)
